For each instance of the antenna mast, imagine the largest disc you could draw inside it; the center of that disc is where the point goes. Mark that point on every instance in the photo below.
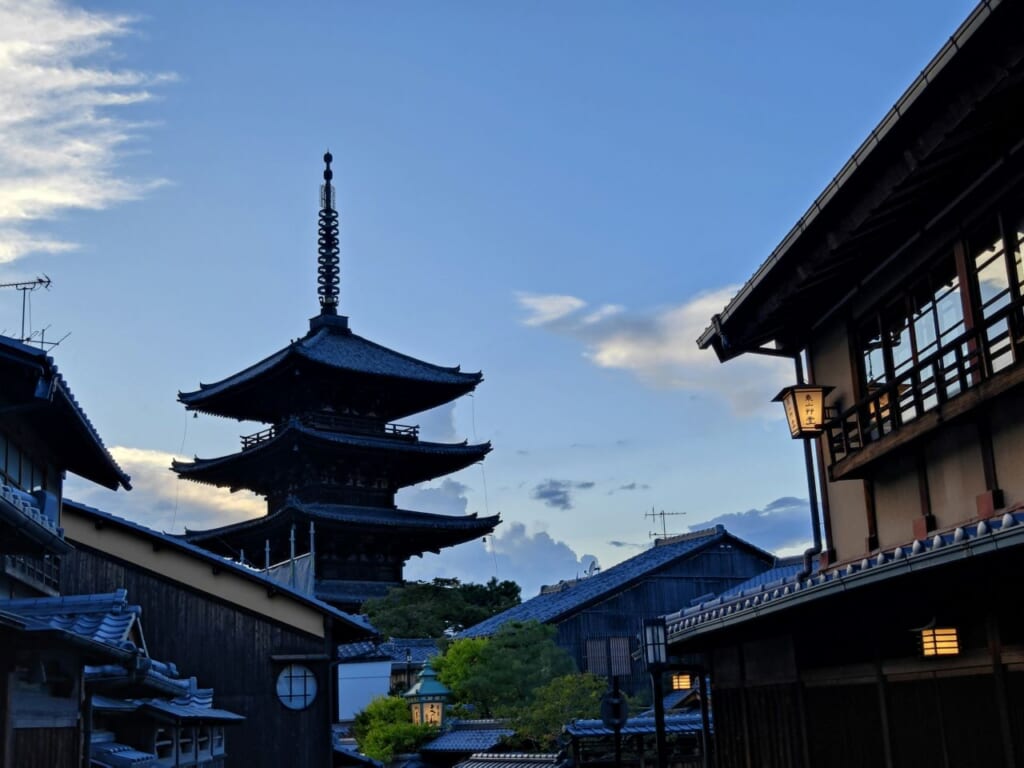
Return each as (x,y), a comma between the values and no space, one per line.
(26,287)
(662,514)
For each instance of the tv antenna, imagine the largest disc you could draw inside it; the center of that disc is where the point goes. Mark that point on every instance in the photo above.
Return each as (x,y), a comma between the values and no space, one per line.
(26,287)
(664,527)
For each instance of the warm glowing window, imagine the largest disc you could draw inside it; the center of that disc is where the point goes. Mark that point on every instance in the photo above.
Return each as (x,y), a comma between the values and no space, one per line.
(682,682)
(940,642)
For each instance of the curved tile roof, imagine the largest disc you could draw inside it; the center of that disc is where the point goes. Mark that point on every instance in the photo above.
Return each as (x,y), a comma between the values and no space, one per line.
(684,722)
(382,517)
(748,601)
(459,455)
(470,740)
(331,344)
(106,619)
(553,604)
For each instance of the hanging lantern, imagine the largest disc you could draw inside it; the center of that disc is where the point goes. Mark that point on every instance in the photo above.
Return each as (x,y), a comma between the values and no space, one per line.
(805,409)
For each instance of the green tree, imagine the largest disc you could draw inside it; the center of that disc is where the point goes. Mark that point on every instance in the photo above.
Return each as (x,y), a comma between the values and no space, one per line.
(421,609)
(520,658)
(385,729)
(457,663)
(565,698)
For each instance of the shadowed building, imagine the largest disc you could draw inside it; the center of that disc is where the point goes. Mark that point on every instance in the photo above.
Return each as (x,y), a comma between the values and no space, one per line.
(332,457)
(597,618)
(901,292)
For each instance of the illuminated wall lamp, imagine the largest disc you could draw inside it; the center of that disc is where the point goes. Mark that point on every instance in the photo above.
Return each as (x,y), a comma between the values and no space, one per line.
(805,409)
(940,641)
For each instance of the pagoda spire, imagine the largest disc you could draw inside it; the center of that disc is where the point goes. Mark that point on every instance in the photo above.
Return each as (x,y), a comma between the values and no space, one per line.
(327,240)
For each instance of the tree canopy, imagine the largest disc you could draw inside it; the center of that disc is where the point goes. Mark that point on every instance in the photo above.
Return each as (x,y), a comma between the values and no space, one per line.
(422,609)
(497,677)
(565,698)
(385,728)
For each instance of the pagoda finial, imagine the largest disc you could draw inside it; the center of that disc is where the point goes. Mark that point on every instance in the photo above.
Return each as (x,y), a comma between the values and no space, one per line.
(327,261)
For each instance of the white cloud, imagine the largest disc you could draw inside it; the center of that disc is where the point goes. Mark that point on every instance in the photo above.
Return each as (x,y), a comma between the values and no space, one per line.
(549,308)
(530,560)
(160,500)
(659,347)
(61,138)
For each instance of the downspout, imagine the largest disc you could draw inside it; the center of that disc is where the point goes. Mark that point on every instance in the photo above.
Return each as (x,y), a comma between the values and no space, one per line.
(812,491)
(812,488)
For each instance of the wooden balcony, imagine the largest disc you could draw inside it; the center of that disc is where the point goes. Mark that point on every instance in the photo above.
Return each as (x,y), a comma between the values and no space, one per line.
(958,377)
(351,425)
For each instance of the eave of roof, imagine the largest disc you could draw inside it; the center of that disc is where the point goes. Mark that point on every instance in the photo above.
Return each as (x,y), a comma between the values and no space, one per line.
(447,457)
(713,335)
(101,467)
(940,549)
(350,514)
(334,346)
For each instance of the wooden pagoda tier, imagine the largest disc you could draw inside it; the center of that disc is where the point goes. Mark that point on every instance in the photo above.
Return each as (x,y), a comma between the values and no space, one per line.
(359,551)
(331,369)
(360,466)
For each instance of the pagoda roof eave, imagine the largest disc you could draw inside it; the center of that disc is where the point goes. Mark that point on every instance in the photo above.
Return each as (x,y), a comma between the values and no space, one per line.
(333,349)
(457,455)
(431,531)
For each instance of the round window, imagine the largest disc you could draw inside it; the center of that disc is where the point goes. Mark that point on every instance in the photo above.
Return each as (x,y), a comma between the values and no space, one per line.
(296,686)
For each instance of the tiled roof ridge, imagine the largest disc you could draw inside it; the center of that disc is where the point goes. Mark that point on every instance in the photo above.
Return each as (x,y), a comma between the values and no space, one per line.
(690,535)
(782,590)
(100,602)
(223,563)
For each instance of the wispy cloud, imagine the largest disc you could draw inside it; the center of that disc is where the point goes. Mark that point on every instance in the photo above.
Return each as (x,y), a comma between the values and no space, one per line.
(659,347)
(62,137)
(160,500)
(558,493)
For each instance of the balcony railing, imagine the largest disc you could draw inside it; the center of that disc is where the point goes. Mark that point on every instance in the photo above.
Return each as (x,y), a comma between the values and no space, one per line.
(966,362)
(352,425)
(43,573)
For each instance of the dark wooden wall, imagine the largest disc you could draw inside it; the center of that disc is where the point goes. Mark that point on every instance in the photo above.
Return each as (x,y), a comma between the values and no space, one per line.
(712,570)
(228,649)
(45,748)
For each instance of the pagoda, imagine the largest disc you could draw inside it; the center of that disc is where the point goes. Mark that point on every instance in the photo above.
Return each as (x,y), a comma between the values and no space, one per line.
(331,457)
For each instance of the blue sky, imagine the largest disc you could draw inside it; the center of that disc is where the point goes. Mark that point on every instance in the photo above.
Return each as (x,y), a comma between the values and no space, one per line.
(558,194)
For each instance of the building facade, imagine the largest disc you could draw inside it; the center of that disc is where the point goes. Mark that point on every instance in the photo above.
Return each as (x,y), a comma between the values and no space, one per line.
(899,292)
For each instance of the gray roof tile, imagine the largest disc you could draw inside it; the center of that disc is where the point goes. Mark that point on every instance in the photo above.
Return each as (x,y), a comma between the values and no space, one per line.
(551,605)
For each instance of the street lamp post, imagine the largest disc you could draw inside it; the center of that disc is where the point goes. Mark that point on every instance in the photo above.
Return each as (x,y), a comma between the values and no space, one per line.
(655,646)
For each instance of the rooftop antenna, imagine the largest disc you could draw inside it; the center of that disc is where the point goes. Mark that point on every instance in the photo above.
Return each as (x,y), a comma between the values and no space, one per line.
(327,240)
(26,287)
(664,529)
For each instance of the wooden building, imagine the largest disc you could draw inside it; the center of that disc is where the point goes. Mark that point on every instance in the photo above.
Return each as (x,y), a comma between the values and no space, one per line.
(598,618)
(331,458)
(57,652)
(267,649)
(900,292)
